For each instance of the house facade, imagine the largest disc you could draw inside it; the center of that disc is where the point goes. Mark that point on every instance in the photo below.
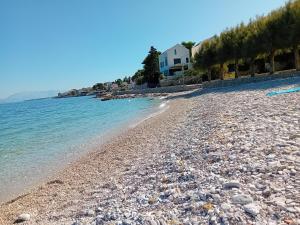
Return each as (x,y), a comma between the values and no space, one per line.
(175,61)
(196,49)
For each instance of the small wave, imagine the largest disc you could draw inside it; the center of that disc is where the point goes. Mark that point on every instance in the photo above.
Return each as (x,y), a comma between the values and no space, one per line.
(162,108)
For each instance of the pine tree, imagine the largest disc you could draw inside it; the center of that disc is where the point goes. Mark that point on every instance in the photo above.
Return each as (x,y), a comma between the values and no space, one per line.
(151,68)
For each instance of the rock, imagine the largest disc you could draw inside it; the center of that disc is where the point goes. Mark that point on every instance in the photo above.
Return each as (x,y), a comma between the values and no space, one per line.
(99,221)
(216,198)
(151,222)
(23,217)
(225,206)
(252,208)
(162,222)
(76,223)
(231,184)
(87,213)
(241,199)
(126,222)
(266,193)
(291,209)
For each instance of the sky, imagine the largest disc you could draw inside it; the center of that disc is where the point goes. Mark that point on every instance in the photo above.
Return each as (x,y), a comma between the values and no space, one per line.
(64,44)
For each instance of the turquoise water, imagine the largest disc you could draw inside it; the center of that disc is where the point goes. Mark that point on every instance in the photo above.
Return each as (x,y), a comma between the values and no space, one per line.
(37,137)
(296,89)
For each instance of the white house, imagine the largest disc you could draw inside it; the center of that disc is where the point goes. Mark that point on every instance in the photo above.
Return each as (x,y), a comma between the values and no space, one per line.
(197,47)
(175,60)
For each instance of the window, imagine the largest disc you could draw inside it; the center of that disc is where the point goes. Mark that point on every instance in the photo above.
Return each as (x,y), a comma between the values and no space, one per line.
(177,61)
(161,64)
(166,61)
(175,52)
(187,60)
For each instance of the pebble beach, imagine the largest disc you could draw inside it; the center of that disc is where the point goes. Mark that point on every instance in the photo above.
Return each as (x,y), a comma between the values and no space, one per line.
(216,156)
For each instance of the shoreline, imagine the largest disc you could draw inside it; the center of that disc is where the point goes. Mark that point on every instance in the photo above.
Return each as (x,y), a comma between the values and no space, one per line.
(62,176)
(80,151)
(224,156)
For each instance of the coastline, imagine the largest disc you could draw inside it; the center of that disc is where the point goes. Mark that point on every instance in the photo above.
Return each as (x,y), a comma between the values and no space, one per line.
(22,177)
(224,155)
(76,170)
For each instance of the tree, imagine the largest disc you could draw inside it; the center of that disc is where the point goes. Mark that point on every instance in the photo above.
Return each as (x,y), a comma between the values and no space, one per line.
(138,77)
(119,82)
(293,29)
(189,45)
(273,36)
(151,68)
(251,46)
(264,36)
(207,56)
(99,86)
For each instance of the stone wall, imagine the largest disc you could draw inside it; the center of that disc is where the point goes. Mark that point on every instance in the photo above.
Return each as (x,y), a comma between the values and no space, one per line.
(212,84)
(245,80)
(170,89)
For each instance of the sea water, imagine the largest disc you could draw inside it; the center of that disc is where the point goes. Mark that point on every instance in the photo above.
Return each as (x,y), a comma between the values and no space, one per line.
(38,137)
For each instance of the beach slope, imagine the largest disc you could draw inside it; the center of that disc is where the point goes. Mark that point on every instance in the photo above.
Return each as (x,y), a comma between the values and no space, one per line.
(227,156)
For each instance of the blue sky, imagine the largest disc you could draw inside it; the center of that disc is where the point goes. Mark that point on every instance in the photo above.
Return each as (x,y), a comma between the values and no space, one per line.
(64,44)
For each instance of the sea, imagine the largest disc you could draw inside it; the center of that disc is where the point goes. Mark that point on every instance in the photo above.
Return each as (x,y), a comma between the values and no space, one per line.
(40,137)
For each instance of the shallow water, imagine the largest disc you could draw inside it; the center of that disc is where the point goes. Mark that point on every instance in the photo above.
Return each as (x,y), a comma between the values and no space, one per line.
(40,136)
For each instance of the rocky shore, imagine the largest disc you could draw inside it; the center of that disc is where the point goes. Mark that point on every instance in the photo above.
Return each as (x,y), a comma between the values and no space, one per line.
(106,97)
(221,156)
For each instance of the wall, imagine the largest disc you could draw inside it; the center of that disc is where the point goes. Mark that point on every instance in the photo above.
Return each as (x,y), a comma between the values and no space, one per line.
(182,53)
(170,89)
(245,80)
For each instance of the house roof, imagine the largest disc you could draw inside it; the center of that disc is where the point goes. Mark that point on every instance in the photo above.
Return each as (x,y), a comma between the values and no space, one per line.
(173,47)
(200,42)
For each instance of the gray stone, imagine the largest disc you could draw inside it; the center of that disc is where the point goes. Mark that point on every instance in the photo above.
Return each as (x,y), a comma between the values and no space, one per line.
(126,222)
(225,206)
(241,199)
(23,217)
(231,184)
(252,208)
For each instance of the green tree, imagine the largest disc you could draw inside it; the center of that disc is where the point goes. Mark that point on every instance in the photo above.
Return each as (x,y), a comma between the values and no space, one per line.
(251,45)
(119,82)
(99,86)
(264,36)
(151,68)
(138,77)
(207,56)
(293,29)
(189,45)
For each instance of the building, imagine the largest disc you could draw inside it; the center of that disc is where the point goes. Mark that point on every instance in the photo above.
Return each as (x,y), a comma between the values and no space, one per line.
(175,60)
(197,47)
(114,87)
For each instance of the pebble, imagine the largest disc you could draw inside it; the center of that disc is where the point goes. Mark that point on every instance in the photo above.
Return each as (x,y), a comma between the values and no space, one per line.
(252,208)
(231,184)
(226,150)
(241,199)
(225,206)
(23,217)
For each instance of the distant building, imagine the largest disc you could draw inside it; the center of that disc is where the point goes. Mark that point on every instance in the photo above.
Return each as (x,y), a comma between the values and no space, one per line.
(131,85)
(175,60)
(114,86)
(197,47)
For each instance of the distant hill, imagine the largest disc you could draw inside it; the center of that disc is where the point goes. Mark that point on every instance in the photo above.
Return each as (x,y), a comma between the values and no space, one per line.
(29,95)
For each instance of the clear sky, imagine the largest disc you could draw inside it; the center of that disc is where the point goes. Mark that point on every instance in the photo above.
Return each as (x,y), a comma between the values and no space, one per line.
(64,44)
